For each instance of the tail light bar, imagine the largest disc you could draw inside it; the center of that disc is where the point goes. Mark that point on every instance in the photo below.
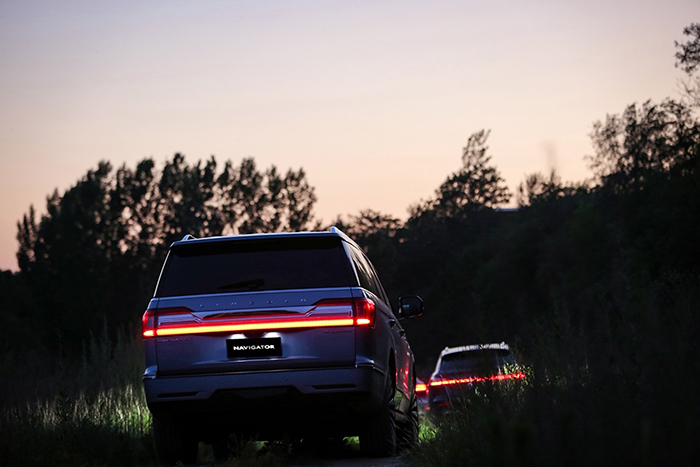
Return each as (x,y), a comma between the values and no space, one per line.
(477,379)
(350,312)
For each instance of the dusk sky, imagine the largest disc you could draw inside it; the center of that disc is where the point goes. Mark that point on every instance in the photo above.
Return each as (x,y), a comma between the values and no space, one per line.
(373,99)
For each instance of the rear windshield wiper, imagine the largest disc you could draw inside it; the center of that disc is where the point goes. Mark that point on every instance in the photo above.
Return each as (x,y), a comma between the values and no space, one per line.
(253,284)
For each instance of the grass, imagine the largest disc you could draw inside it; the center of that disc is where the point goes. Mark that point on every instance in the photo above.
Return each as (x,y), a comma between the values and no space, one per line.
(89,411)
(111,428)
(622,393)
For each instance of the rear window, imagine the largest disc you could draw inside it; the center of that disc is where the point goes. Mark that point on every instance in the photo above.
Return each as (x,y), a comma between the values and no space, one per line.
(476,362)
(254,265)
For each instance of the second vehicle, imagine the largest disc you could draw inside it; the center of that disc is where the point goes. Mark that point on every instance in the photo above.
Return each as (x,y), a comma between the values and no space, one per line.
(461,369)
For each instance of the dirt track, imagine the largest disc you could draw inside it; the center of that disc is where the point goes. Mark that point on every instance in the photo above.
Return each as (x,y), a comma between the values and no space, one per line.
(340,456)
(349,462)
(328,455)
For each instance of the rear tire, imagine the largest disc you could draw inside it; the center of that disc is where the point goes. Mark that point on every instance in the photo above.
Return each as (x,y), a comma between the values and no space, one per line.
(173,443)
(220,449)
(407,433)
(378,438)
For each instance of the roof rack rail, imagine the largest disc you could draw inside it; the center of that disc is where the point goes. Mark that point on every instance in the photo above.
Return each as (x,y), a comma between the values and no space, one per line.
(188,237)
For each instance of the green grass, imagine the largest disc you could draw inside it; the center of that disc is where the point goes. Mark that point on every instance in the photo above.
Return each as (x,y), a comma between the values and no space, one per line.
(87,411)
(110,428)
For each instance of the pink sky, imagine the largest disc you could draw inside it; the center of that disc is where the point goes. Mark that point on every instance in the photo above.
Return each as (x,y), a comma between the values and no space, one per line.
(374,99)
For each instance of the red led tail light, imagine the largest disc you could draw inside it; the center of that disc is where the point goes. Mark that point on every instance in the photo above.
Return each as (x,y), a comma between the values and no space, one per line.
(477,379)
(359,312)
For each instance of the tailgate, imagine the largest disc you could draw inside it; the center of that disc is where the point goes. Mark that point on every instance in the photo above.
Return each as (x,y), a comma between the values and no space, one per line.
(259,331)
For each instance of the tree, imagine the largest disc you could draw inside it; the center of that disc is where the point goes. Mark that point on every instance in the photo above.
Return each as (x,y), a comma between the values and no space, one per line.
(96,253)
(688,59)
(368,223)
(475,186)
(643,143)
(537,187)
(273,203)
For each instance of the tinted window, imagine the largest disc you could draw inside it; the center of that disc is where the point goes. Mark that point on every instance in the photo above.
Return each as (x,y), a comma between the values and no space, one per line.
(476,362)
(363,270)
(368,277)
(251,265)
(377,284)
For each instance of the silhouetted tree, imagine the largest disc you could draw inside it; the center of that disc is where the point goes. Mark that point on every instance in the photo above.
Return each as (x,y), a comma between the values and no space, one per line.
(537,187)
(688,59)
(274,203)
(645,142)
(96,253)
(367,223)
(475,186)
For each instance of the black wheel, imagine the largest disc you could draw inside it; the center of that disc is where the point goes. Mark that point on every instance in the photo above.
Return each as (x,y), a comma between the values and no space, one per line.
(221,449)
(378,438)
(173,443)
(407,432)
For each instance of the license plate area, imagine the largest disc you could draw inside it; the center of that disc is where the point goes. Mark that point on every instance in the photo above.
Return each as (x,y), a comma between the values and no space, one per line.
(254,347)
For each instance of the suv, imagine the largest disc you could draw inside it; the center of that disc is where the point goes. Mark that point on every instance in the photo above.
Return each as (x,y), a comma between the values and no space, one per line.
(460,369)
(270,335)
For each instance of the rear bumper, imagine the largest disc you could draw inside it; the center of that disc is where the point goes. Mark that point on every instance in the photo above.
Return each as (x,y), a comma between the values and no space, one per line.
(320,400)
(334,383)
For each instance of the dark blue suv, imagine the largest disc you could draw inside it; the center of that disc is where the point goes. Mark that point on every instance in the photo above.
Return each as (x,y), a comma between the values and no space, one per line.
(271,335)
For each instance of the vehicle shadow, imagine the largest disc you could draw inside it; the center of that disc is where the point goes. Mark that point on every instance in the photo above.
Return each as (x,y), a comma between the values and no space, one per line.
(337,453)
(306,453)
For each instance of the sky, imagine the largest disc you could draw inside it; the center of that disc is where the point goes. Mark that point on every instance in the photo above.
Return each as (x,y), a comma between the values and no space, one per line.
(373,99)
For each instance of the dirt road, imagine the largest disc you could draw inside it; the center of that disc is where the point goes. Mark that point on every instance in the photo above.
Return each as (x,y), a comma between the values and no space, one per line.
(349,462)
(341,456)
(322,455)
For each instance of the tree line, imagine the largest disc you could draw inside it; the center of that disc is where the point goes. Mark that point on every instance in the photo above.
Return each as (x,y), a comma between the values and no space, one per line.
(569,252)
(94,256)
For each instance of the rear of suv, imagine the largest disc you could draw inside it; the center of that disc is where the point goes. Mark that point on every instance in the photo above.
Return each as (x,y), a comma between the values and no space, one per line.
(271,335)
(461,370)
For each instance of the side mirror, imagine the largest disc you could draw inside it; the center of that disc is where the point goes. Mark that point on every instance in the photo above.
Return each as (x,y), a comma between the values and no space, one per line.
(410,306)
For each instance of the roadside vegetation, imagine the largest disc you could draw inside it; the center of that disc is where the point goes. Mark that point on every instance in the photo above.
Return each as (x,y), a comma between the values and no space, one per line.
(625,395)
(595,284)
(77,411)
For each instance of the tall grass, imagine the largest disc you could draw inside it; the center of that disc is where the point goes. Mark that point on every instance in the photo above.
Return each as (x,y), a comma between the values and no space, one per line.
(90,410)
(87,411)
(622,392)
